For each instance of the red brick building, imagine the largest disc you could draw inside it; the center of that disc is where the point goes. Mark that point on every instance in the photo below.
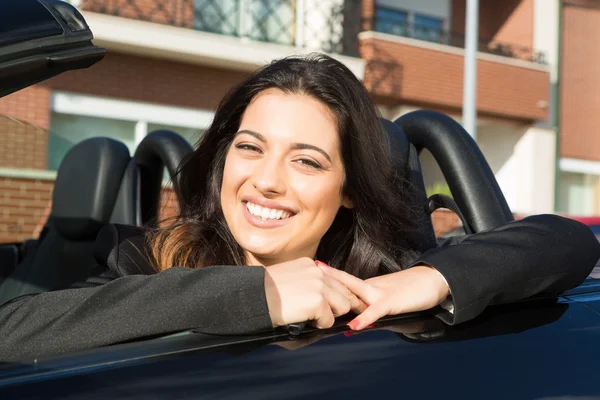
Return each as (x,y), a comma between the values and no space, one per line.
(170,61)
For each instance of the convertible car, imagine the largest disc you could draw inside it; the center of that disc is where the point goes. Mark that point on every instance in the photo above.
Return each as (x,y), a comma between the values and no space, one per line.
(539,348)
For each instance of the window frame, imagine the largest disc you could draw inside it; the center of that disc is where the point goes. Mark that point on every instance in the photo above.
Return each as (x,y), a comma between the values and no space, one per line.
(140,113)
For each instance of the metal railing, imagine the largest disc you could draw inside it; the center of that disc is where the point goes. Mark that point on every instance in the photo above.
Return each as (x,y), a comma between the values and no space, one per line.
(331,26)
(421,32)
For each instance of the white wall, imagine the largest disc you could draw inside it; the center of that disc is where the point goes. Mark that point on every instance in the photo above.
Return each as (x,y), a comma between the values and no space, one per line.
(545,39)
(545,32)
(522,159)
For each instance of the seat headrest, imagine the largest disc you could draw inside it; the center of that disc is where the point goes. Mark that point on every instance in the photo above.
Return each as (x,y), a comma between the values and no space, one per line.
(86,187)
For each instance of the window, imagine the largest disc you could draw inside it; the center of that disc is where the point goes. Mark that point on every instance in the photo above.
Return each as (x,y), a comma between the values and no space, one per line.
(217,16)
(409,24)
(427,28)
(265,20)
(67,130)
(190,134)
(394,22)
(273,21)
(78,117)
(578,193)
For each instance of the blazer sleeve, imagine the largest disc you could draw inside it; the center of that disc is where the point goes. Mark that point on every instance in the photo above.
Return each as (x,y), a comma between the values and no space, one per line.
(218,300)
(538,254)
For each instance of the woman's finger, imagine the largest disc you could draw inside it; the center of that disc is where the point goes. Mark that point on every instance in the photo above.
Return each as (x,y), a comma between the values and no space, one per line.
(360,288)
(324,317)
(369,316)
(337,299)
(356,305)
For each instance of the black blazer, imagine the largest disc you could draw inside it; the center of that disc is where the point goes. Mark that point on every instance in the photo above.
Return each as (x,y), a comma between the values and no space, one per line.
(125,300)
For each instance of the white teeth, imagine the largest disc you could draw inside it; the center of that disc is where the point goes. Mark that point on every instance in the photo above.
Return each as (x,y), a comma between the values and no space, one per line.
(266,213)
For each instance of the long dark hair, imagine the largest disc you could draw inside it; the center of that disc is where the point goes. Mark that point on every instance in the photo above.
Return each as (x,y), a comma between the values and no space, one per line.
(368,240)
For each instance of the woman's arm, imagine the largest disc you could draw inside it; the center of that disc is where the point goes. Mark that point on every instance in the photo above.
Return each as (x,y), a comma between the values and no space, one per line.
(539,254)
(221,300)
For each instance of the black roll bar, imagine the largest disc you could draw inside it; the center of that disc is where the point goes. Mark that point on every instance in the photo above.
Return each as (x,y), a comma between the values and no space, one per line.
(159,149)
(469,176)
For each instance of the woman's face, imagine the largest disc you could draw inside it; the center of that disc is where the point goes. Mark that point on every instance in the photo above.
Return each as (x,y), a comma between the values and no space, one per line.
(283,177)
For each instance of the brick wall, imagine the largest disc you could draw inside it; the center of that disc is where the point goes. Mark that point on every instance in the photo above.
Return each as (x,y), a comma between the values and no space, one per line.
(172,12)
(24,118)
(401,73)
(152,80)
(506,21)
(444,221)
(22,206)
(580,81)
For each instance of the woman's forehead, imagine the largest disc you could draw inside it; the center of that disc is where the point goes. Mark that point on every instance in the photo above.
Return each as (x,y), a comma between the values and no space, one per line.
(280,116)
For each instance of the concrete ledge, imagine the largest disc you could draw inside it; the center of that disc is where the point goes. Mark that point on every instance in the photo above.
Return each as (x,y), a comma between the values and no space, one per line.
(33,174)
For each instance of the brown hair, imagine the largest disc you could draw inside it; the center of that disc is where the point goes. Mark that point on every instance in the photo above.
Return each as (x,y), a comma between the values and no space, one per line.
(368,240)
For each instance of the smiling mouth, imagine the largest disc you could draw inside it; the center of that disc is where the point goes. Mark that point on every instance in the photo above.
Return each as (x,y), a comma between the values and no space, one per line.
(267,214)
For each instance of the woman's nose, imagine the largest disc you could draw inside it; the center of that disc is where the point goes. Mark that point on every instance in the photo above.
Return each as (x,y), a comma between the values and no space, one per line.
(268,177)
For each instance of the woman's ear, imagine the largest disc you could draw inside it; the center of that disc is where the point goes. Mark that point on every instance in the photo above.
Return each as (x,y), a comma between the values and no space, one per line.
(346,202)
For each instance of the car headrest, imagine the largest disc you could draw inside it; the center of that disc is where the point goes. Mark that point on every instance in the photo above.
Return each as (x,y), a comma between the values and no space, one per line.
(86,187)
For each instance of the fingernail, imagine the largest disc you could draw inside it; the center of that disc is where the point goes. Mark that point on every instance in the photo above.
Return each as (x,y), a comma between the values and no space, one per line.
(370,326)
(321,264)
(353,324)
(348,333)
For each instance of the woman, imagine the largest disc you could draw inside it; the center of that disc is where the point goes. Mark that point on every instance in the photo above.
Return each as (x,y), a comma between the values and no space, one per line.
(293,168)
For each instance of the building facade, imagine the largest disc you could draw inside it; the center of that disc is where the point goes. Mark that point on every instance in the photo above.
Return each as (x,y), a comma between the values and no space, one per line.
(170,61)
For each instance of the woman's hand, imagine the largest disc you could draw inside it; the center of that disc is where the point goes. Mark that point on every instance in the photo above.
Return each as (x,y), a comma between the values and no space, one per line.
(299,291)
(415,289)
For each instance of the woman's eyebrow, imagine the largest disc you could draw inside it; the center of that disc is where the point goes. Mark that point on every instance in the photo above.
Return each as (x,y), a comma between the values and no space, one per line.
(294,146)
(306,146)
(252,133)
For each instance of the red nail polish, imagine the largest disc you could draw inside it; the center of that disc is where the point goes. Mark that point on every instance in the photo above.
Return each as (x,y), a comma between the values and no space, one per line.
(353,324)
(348,334)
(320,264)
(370,326)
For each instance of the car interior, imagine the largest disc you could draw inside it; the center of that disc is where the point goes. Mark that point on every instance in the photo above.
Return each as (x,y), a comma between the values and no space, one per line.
(125,189)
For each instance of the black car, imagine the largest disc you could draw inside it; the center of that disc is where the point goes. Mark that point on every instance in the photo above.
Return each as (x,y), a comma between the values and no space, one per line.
(539,348)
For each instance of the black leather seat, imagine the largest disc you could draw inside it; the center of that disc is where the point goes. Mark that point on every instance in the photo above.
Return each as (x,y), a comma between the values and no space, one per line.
(95,182)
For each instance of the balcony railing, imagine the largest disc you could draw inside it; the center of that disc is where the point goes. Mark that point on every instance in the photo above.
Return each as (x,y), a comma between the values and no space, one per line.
(421,32)
(330,26)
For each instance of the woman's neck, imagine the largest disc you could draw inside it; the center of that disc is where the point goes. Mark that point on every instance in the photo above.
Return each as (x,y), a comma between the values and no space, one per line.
(252,259)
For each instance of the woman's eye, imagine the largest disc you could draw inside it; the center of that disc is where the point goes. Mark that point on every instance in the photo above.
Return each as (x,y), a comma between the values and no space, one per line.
(247,147)
(309,163)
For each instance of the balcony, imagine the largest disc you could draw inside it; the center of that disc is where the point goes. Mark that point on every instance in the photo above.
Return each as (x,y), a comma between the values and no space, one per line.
(397,24)
(327,25)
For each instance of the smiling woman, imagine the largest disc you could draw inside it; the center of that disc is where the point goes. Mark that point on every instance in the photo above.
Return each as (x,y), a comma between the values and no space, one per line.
(294,172)
(293,166)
